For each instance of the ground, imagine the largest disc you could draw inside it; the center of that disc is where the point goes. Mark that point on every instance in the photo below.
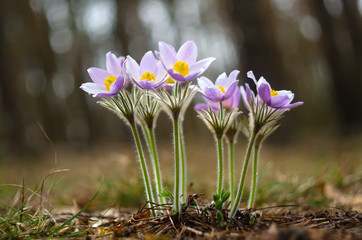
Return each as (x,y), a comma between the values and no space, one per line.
(306,191)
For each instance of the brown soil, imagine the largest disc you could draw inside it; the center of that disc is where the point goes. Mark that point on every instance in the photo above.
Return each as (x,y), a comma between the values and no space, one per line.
(272,223)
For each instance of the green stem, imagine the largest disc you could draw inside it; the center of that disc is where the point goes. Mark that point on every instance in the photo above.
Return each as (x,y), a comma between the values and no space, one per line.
(156,166)
(231,171)
(176,204)
(141,157)
(255,178)
(220,166)
(147,135)
(243,175)
(183,163)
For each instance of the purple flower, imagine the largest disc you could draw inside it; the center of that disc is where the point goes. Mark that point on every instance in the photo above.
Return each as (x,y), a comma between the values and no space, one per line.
(182,66)
(275,99)
(150,74)
(223,88)
(233,101)
(230,103)
(247,95)
(106,83)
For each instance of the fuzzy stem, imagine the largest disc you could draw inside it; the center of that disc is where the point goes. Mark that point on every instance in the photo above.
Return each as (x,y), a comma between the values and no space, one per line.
(147,136)
(151,143)
(183,163)
(231,171)
(176,204)
(141,157)
(157,171)
(220,166)
(255,178)
(243,175)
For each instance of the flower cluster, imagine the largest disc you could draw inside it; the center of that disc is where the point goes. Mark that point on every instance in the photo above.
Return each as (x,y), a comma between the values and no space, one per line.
(162,81)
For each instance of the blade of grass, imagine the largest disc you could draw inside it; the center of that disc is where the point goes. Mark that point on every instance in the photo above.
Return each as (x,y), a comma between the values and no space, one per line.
(19,212)
(75,215)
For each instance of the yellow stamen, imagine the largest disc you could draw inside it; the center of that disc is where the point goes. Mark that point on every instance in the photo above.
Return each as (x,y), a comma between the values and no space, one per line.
(170,81)
(181,68)
(109,81)
(149,76)
(273,93)
(221,88)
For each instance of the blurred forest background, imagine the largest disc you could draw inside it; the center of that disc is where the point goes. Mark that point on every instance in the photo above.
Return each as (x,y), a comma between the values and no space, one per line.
(312,47)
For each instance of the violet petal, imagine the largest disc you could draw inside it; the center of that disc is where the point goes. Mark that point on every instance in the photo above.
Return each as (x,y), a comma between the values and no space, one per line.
(200,66)
(187,52)
(167,55)
(133,69)
(264,93)
(148,63)
(113,64)
(97,75)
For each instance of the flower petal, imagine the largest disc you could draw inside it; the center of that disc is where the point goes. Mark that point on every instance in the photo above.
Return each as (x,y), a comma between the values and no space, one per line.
(145,84)
(132,68)
(148,63)
(251,75)
(176,76)
(280,101)
(167,55)
(232,77)
(204,82)
(161,72)
(117,86)
(233,101)
(264,93)
(200,66)
(229,92)
(105,94)
(249,94)
(97,75)
(213,93)
(113,64)
(244,97)
(289,106)
(93,88)
(221,80)
(121,60)
(201,106)
(187,52)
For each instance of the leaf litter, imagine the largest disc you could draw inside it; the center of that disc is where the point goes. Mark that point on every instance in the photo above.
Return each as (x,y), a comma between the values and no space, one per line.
(299,222)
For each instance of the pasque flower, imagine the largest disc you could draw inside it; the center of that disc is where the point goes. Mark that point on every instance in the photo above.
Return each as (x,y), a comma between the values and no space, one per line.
(265,110)
(229,104)
(106,83)
(182,65)
(150,74)
(223,88)
(275,99)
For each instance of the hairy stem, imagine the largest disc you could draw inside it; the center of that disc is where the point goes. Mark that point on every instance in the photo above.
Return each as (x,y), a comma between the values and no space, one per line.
(183,163)
(156,166)
(220,165)
(176,204)
(146,178)
(149,134)
(231,171)
(243,175)
(255,178)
